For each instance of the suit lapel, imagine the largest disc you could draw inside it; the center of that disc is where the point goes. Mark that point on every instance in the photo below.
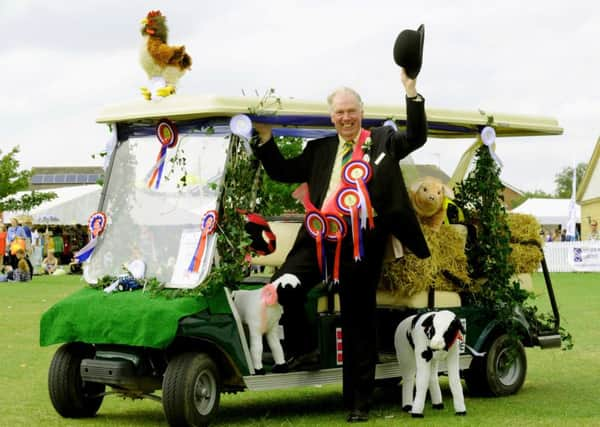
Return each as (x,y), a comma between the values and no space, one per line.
(323,161)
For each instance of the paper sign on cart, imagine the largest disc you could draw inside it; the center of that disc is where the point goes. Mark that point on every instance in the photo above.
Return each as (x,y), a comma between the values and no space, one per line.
(182,277)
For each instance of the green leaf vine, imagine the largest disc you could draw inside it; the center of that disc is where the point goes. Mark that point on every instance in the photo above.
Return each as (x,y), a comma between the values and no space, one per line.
(488,249)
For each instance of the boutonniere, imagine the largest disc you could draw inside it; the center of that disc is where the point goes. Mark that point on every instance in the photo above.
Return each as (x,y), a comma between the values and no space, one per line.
(366,147)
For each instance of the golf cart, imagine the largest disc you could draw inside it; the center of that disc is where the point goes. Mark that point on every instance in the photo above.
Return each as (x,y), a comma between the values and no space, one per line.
(170,175)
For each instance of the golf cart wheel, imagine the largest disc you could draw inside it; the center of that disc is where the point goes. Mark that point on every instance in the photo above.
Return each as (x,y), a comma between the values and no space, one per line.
(501,372)
(191,390)
(70,395)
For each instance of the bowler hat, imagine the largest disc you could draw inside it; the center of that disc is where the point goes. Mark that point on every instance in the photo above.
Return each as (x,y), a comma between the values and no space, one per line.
(408,50)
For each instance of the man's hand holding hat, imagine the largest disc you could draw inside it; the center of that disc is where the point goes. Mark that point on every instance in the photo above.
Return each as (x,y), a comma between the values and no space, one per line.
(410,85)
(408,54)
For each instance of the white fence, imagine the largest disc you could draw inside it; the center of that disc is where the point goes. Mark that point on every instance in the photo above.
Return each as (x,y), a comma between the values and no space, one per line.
(572,256)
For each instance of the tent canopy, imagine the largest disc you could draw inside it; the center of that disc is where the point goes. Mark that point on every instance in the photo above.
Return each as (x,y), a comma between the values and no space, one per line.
(73,205)
(549,211)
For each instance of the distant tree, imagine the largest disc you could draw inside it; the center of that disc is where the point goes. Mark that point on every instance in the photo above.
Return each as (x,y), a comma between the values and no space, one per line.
(276,197)
(538,194)
(12,181)
(564,180)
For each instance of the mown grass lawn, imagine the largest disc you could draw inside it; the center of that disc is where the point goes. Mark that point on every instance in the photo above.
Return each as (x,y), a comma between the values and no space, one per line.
(562,387)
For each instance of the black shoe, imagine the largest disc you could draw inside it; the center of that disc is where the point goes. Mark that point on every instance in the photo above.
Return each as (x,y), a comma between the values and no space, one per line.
(305,362)
(260,371)
(280,369)
(358,417)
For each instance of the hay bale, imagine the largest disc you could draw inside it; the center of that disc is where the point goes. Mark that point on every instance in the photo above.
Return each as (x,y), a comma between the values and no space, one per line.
(523,228)
(446,269)
(525,258)
(407,275)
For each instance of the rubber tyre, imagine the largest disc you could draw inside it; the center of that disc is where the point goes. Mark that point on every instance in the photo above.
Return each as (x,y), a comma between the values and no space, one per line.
(191,390)
(491,375)
(70,395)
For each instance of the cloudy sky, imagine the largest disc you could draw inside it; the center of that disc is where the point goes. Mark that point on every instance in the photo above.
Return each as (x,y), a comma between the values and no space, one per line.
(61,61)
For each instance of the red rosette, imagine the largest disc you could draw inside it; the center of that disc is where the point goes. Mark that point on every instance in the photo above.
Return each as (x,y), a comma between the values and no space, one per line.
(209,221)
(317,227)
(358,173)
(208,225)
(336,228)
(167,133)
(356,170)
(97,223)
(315,224)
(347,199)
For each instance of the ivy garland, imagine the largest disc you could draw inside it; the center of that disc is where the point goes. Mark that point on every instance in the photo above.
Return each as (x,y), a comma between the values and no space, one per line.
(480,196)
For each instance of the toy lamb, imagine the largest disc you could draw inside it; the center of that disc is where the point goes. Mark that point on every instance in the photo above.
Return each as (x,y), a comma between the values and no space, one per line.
(259,309)
(421,341)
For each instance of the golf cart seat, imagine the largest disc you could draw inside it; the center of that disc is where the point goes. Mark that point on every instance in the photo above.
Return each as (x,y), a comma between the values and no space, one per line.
(286,234)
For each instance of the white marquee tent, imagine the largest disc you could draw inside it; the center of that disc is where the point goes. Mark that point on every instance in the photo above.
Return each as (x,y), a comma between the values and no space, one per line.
(73,205)
(549,211)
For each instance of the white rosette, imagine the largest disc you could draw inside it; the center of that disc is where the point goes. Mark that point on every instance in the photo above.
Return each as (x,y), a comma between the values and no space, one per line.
(488,137)
(241,126)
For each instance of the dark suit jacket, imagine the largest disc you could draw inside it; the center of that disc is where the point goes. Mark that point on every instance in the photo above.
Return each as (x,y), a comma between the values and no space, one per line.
(387,188)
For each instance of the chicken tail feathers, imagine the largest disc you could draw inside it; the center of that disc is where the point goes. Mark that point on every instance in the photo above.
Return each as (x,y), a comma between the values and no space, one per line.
(181,58)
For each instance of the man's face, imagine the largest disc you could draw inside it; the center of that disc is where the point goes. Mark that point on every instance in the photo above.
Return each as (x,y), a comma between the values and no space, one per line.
(346,115)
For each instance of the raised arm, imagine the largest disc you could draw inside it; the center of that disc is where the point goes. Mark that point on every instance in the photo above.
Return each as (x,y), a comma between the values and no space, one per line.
(278,167)
(403,143)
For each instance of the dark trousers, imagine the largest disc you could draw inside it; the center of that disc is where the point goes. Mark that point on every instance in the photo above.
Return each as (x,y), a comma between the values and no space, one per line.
(13,261)
(358,285)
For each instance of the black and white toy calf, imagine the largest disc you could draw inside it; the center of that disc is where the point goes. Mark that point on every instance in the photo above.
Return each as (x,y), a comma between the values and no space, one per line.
(421,341)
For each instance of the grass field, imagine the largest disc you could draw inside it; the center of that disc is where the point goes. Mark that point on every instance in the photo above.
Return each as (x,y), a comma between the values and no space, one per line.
(561,386)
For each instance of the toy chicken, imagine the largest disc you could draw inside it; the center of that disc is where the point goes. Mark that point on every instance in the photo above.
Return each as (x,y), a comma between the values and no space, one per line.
(164,64)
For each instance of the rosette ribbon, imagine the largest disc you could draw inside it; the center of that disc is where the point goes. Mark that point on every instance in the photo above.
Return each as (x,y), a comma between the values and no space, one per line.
(348,202)
(241,126)
(208,227)
(336,230)
(96,225)
(167,135)
(317,227)
(357,173)
(488,137)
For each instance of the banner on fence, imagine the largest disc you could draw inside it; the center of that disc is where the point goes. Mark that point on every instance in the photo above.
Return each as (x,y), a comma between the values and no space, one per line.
(585,257)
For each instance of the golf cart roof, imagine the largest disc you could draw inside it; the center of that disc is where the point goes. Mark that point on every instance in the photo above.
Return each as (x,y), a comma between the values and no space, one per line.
(307,115)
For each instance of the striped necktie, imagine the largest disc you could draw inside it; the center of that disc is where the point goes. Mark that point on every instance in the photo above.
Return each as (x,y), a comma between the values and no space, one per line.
(347,151)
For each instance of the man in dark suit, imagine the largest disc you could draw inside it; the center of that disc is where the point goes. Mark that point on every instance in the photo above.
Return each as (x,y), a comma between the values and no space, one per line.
(320,166)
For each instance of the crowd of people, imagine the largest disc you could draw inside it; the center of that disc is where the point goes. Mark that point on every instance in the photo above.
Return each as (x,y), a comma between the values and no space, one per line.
(26,251)
(560,234)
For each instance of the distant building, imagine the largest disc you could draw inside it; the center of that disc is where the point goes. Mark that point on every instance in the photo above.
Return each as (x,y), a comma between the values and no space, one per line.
(44,178)
(510,193)
(434,171)
(588,194)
